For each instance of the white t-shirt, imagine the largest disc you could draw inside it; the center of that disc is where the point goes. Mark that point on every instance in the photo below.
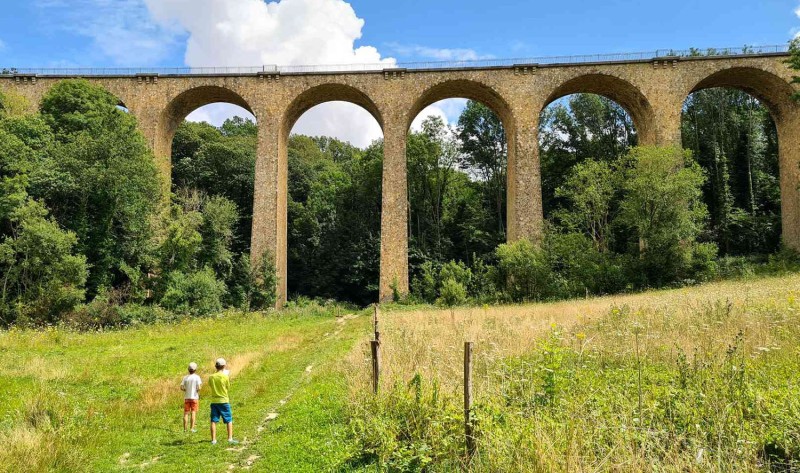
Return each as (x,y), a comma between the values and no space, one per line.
(191,386)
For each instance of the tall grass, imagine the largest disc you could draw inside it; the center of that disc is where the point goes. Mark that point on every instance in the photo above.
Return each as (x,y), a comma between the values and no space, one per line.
(698,379)
(107,400)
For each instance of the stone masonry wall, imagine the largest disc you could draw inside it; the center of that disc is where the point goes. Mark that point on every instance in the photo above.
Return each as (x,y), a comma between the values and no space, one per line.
(652,92)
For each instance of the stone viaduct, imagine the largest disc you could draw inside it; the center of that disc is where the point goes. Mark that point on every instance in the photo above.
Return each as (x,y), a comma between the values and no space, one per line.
(653,92)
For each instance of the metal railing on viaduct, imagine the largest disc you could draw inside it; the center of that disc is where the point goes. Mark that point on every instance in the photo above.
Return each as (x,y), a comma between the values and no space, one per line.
(416,66)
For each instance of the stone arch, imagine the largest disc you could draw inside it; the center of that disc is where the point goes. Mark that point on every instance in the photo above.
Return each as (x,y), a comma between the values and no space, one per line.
(494,100)
(468,89)
(771,90)
(776,94)
(185,103)
(303,102)
(331,92)
(177,109)
(619,90)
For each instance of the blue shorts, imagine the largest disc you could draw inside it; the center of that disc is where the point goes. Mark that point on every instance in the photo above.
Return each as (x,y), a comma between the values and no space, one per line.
(221,410)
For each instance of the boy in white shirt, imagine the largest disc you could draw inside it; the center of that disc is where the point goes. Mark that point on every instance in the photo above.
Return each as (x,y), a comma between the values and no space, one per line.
(191,396)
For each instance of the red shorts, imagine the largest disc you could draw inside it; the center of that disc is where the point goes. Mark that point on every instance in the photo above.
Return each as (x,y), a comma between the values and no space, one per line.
(191,405)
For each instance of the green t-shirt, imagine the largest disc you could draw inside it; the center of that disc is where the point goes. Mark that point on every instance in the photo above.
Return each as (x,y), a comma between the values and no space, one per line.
(219,383)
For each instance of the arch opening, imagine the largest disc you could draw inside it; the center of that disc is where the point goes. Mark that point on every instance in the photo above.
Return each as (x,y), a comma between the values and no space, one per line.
(771,218)
(574,131)
(733,136)
(332,153)
(625,94)
(213,137)
(457,155)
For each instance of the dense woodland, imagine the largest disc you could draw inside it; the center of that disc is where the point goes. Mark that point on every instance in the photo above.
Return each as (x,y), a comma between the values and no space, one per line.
(83,239)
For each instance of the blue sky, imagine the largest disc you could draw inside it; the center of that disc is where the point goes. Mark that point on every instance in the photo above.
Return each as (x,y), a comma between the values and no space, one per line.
(47,33)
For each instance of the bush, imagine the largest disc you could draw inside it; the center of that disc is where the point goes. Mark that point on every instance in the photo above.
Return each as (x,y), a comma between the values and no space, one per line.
(426,285)
(198,293)
(579,268)
(452,293)
(483,285)
(107,311)
(524,271)
(704,266)
(42,278)
(252,288)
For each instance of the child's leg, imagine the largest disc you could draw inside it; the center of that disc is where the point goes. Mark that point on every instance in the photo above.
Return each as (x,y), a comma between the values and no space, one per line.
(194,419)
(213,431)
(185,419)
(229,425)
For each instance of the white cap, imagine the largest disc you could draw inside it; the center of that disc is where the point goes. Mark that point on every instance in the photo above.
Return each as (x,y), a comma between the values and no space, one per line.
(220,362)
(193,366)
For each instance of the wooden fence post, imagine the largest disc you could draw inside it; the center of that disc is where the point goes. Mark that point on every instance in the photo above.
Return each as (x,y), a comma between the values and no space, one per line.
(375,316)
(468,426)
(375,345)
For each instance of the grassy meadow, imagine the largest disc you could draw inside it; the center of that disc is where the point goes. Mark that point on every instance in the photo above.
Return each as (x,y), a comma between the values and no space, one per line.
(110,401)
(695,379)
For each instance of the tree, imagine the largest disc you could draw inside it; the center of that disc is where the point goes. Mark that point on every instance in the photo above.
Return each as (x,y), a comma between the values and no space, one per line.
(575,129)
(484,151)
(662,204)
(41,277)
(432,155)
(590,189)
(219,162)
(217,232)
(100,181)
(734,139)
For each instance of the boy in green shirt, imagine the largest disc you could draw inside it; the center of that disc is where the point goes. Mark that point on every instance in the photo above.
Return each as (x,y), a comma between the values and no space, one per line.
(219,383)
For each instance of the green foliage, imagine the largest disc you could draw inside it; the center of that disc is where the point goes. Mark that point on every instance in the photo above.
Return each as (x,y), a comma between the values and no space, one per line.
(42,278)
(217,232)
(590,189)
(425,285)
(15,162)
(484,152)
(76,106)
(662,196)
(253,288)
(452,293)
(108,310)
(219,162)
(580,268)
(182,239)
(414,428)
(575,129)
(99,181)
(794,61)
(12,105)
(334,219)
(197,293)
(523,268)
(733,138)
(662,205)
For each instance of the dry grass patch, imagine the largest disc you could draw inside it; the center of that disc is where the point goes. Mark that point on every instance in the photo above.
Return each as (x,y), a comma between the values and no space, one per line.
(430,341)
(695,379)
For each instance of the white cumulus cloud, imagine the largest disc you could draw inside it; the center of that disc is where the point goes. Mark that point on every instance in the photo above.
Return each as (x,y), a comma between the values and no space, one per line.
(437,54)
(287,32)
(448,110)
